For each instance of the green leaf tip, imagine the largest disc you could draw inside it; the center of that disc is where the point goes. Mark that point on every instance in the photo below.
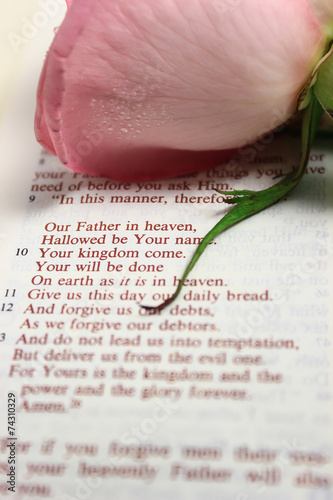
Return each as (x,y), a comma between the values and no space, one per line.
(248,203)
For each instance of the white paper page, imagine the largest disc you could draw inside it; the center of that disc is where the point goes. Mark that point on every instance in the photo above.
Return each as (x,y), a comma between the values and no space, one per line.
(227,394)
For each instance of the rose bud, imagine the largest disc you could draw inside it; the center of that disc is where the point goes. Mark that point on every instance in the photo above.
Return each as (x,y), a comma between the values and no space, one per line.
(143,89)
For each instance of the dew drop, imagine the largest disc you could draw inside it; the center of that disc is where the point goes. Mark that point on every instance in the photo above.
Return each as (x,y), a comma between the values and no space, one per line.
(123,130)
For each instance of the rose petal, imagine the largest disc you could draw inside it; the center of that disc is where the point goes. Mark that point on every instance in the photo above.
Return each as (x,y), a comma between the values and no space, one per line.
(133,89)
(324,12)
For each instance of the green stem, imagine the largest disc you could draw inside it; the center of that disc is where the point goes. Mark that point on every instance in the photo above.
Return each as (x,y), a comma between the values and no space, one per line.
(249,203)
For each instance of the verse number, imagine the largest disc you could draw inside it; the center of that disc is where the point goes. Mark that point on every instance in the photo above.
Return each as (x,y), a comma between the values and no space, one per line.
(2,337)
(32,198)
(22,251)
(10,293)
(7,307)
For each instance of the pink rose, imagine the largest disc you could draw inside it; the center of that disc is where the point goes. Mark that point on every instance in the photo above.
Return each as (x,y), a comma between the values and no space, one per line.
(141,89)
